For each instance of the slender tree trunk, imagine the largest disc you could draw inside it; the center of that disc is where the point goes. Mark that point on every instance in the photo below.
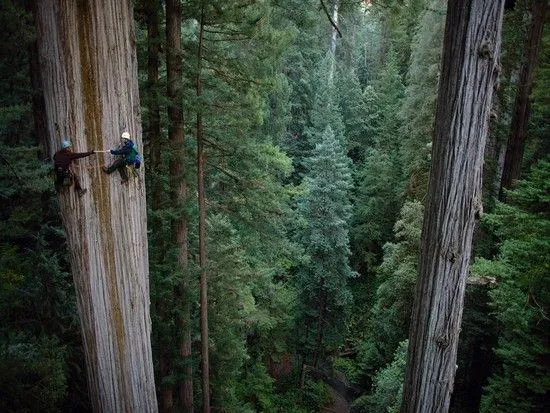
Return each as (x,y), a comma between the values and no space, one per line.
(520,117)
(177,139)
(38,102)
(151,12)
(333,37)
(165,369)
(89,71)
(320,321)
(205,364)
(152,89)
(469,70)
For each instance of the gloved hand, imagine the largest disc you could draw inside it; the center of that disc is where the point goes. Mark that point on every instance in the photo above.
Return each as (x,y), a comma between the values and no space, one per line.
(111,150)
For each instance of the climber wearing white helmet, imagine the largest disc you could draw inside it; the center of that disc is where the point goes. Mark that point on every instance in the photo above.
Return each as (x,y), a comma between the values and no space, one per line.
(128,155)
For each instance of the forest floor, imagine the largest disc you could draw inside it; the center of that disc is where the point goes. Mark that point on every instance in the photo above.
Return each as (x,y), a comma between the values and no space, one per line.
(339,404)
(340,394)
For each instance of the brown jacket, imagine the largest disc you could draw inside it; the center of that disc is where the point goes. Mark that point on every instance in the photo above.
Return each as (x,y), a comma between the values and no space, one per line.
(63,158)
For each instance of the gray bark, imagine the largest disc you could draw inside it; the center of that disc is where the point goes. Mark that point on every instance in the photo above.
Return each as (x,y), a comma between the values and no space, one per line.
(469,70)
(89,73)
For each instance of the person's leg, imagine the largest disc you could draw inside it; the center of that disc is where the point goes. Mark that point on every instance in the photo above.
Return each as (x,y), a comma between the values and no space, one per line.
(59,178)
(123,172)
(78,189)
(114,166)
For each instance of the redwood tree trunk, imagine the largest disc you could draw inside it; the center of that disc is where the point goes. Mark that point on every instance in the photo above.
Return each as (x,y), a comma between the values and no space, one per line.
(321,308)
(205,363)
(38,103)
(151,9)
(469,70)
(176,138)
(89,73)
(520,117)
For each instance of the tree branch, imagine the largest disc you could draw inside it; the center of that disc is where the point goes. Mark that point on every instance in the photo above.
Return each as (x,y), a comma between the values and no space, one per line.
(330,18)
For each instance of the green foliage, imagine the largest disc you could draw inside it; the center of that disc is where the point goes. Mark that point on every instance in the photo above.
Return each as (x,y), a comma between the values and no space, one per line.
(244,307)
(325,111)
(390,314)
(40,337)
(388,386)
(354,112)
(379,177)
(538,128)
(418,110)
(327,209)
(256,390)
(33,374)
(316,394)
(521,298)
(398,21)
(323,279)
(15,99)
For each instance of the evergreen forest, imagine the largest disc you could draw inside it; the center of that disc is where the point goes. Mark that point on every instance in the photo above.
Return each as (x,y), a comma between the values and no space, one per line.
(287,151)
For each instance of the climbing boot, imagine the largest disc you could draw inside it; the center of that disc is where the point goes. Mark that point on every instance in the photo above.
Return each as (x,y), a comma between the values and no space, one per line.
(81,192)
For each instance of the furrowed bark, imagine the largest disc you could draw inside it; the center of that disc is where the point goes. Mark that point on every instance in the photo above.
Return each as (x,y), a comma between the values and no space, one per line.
(470,67)
(89,73)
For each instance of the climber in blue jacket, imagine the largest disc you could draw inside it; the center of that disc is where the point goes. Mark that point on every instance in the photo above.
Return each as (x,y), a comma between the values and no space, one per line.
(127,155)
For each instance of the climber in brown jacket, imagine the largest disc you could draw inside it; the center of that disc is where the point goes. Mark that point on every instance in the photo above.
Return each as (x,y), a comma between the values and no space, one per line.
(62,161)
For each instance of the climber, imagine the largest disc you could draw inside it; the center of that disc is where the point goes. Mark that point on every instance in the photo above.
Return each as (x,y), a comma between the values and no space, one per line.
(62,160)
(128,156)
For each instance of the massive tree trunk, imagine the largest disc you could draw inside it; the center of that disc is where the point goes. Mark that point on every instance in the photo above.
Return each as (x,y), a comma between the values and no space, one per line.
(520,117)
(469,69)
(89,73)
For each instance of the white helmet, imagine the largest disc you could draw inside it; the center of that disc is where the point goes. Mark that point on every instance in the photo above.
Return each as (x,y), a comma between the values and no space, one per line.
(66,144)
(125,135)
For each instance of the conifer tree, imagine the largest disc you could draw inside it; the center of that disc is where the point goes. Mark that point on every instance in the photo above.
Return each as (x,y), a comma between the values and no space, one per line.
(418,110)
(396,277)
(243,198)
(304,21)
(520,115)
(353,109)
(521,298)
(380,178)
(323,280)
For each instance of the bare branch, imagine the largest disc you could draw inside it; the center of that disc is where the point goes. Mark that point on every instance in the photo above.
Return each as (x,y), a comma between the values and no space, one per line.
(330,18)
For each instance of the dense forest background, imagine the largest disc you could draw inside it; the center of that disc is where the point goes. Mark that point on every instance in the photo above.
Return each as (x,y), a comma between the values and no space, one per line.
(314,121)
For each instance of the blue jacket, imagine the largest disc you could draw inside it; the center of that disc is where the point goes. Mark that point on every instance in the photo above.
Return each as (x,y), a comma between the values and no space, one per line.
(129,152)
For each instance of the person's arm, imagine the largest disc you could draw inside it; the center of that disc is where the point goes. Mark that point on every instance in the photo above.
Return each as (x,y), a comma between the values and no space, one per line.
(80,154)
(125,150)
